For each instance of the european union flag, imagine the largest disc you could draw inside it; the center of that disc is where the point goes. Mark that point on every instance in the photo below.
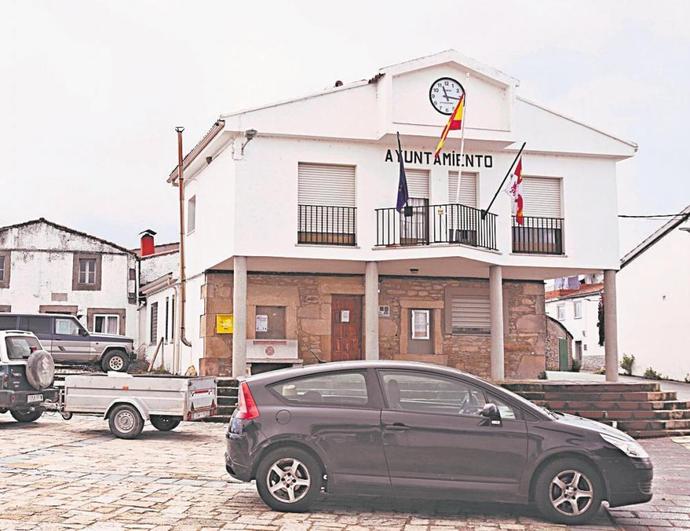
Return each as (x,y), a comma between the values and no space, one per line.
(403,195)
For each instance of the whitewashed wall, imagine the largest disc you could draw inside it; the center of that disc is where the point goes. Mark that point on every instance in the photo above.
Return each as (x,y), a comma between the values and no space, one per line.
(42,265)
(653,303)
(583,329)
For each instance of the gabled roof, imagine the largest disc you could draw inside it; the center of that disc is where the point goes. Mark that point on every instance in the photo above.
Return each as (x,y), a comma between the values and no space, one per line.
(451,56)
(66,229)
(582,291)
(662,231)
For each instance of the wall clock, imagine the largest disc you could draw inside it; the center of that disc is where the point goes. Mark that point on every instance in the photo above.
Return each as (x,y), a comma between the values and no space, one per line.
(444,94)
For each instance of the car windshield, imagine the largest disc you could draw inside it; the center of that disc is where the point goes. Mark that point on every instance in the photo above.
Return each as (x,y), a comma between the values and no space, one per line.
(21,347)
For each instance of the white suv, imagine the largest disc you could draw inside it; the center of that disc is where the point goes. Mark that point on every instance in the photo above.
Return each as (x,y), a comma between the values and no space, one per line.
(26,376)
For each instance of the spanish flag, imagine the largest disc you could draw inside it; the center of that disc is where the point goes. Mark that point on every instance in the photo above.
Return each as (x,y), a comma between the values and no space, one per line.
(454,123)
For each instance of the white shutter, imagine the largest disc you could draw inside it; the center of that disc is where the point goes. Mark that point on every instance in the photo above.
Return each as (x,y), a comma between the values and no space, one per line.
(470,312)
(542,197)
(325,185)
(468,188)
(417,183)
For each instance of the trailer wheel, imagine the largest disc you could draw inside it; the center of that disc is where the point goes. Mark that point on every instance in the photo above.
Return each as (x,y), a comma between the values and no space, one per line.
(165,423)
(125,422)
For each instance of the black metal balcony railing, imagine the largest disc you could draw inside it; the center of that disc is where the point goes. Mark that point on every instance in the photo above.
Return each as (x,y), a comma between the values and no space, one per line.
(426,224)
(538,235)
(326,225)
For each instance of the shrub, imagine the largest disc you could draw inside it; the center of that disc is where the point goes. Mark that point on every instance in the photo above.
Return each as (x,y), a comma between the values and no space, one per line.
(627,364)
(542,375)
(601,370)
(687,378)
(576,366)
(651,374)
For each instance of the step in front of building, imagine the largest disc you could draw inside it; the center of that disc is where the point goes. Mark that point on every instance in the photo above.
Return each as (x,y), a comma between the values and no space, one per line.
(639,409)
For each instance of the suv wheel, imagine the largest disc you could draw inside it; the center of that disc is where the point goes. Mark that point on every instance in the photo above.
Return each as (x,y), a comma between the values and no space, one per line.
(26,415)
(125,422)
(165,423)
(115,360)
(569,491)
(289,479)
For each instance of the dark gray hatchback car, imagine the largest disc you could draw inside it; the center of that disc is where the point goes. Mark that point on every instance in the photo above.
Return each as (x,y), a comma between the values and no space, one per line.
(413,429)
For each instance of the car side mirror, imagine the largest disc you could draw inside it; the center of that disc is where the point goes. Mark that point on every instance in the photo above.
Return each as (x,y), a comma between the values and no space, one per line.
(491,412)
(83,332)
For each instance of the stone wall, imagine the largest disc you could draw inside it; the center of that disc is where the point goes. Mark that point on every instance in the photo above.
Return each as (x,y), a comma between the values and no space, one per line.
(307,299)
(555,331)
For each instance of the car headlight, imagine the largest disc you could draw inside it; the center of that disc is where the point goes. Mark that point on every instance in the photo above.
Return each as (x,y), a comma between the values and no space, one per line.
(629,448)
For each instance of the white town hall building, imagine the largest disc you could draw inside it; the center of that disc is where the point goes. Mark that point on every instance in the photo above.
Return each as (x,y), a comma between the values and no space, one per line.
(294,249)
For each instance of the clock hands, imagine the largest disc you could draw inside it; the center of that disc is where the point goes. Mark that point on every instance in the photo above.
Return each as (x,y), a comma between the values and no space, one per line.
(445,93)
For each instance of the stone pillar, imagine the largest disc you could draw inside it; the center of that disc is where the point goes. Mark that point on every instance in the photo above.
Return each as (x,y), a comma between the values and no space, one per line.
(496,304)
(371,308)
(239,312)
(610,326)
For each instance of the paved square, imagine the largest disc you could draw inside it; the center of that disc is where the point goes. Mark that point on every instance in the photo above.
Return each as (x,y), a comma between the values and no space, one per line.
(73,475)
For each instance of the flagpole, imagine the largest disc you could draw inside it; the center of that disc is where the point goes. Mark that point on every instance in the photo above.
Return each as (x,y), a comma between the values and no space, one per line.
(500,186)
(462,142)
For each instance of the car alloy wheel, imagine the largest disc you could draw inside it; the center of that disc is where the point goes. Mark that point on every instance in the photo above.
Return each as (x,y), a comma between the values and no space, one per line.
(288,480)
(571,493)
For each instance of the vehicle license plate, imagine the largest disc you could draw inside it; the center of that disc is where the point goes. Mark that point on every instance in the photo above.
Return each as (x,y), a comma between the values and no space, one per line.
(34,398)
(200,415)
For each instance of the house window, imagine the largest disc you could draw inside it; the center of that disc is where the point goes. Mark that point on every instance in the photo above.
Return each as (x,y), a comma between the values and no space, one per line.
(153,332)
(191,214)
(5,269)
(577,308)
(420,326)
(270,322)
(87,272)
(561,312)
(106,324)
(470,314)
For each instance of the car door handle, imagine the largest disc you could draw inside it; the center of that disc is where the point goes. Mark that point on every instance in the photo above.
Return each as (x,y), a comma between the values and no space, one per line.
(397,426)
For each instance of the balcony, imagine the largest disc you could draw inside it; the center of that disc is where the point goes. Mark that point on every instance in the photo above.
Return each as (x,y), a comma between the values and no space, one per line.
(538,236)
(326,225)
(435,224)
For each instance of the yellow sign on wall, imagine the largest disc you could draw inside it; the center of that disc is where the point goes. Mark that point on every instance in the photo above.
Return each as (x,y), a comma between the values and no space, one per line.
(224,323)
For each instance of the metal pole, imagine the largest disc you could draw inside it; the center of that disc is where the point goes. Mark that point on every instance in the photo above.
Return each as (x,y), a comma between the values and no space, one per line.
(485,212)
(182,298)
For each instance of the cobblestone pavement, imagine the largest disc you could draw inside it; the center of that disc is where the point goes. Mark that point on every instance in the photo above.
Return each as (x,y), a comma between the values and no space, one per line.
(74,475)
(670,507)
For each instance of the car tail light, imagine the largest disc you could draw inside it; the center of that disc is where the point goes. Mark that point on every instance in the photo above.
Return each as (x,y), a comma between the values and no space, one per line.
(246,406)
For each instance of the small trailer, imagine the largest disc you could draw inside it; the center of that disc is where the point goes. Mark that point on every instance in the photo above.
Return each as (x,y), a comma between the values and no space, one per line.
(129,400)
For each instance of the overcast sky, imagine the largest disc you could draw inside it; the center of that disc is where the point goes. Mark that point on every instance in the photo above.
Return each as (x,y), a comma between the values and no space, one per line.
(90,91)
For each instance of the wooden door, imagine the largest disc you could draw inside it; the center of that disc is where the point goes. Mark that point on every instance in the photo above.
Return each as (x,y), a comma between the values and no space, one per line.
(346,328)
(562,354)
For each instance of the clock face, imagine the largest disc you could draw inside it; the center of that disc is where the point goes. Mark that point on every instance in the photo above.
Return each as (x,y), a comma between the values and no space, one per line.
(444,94)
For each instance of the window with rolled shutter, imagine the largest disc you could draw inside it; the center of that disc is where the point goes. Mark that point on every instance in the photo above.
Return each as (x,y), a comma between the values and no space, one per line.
(326,204)
(470,314)
(417,183)
(468,188)
(326,185)
(542,197)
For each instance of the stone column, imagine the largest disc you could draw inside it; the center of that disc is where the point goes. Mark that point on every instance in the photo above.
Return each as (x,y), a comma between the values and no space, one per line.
(371,308)
(496,304)
(239,312)
(610,326)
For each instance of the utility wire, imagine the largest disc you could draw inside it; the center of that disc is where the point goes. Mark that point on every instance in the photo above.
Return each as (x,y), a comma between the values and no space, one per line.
(654,216)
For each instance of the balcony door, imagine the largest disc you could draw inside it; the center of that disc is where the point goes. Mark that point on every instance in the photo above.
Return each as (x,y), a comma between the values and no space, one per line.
(414,220)
(326,204)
